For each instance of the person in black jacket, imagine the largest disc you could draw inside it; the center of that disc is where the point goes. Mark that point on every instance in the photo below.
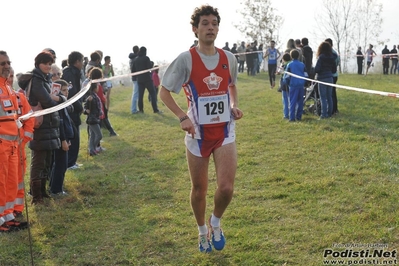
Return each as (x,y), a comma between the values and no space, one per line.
(360,59)
(46,136)
(72,75)
(385,60)
(307,54)
(143,62)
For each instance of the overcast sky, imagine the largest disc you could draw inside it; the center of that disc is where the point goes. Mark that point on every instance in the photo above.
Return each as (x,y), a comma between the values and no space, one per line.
(160,25)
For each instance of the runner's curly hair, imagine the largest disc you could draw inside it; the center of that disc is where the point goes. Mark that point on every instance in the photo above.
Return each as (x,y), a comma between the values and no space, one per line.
(203,10)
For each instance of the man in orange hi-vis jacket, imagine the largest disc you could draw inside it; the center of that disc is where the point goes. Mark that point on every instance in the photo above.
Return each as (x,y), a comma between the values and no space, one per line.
(25,135)
(9,158)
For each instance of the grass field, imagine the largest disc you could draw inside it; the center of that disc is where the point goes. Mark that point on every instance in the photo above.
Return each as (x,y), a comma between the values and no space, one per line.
(301,188)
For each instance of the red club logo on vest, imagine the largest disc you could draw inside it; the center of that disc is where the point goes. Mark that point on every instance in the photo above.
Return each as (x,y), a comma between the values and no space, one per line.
(212,81)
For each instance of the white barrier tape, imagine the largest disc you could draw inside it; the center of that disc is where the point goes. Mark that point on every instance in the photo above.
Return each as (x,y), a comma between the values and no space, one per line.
(79,95)
(59,106)
(151,69)
(127,75)
(382,93)
(383,55)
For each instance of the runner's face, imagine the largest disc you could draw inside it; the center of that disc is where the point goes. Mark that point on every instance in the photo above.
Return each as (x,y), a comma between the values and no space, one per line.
(208,29)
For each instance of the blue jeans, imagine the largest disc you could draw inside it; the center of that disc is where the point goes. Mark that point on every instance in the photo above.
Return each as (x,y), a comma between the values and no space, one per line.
(285,100)
(135,97)
(296,102)
(325,92)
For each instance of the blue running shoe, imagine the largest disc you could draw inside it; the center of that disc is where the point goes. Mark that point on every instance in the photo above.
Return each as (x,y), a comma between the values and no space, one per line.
(204,244)
(218,239)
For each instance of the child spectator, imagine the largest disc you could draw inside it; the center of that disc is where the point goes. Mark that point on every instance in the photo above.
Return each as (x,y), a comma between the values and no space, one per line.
(156,81)
(284,87)
(67,133)
(296,86)
(94,111)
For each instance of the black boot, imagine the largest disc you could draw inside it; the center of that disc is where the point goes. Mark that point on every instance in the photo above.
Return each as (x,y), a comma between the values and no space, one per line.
(36,190)
(43,188)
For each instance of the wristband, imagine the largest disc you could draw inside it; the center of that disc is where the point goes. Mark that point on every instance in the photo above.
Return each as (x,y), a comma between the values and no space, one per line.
(184,118)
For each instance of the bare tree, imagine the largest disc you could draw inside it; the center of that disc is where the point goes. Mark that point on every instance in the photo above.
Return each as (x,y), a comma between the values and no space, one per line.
(261,22)
(368,22)
(350,23)
(336,21)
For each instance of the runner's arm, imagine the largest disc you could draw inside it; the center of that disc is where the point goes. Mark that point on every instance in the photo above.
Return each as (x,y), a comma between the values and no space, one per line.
(168,100)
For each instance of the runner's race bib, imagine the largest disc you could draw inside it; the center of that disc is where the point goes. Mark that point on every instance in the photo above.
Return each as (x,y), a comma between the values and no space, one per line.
(213,109)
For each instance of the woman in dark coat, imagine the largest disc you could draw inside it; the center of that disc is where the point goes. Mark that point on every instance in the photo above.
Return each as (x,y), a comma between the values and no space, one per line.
(46,136)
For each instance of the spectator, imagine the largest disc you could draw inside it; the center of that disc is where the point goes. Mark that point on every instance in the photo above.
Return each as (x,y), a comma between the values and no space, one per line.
(385,60)
(194,44)
(93,110)
(226,47)
(85,62)
(64,63)
(46,136)
(284,87)
(156,81)
(143,62)
(72,75)
(241,57)
(52,52)
(335,78)
(67,133)
(135,94)
(308,55)
(249,58)
(56,72)
(290,46)
(108,71)
(299,47)
(260,57)
(394,58)
(95,61)
(254,56)
(234,51)
(325,67)
(360,59)
(296,86)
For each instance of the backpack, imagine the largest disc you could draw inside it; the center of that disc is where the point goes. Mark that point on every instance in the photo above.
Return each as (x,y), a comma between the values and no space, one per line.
(24,80)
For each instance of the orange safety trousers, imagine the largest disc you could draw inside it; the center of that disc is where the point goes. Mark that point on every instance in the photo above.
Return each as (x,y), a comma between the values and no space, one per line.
(19,200)
(9,164)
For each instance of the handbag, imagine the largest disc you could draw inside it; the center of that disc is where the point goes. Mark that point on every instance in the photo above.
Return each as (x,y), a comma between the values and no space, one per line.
(38,107)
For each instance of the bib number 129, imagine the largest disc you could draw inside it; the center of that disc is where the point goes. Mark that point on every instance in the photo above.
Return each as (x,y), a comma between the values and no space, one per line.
(214,108)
